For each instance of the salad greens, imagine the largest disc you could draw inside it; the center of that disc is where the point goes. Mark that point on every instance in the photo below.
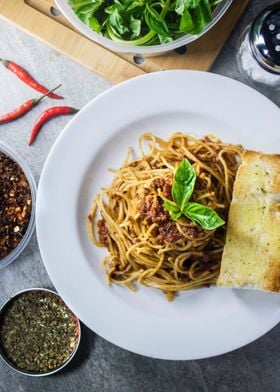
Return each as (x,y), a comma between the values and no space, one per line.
(182,189)
(145,22)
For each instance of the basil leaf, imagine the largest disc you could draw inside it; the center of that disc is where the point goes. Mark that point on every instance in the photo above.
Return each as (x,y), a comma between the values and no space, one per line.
(178,193)
(207,218)
(135,26)
(184,172)
(176,215)
(77,5)
(183,186)
(174,210)
(136,5)
(89,8)
(92,22)
(164,39)
(117,23)
(197,17)
(186,23)
(194,3)
(206,11)
(201,15)
(182,5)
(156,22)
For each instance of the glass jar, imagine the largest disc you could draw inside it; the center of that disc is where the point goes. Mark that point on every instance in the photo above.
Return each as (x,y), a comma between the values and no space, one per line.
(258,57)
(5,149)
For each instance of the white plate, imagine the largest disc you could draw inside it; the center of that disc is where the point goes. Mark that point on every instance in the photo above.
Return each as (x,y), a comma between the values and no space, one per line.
(199,323)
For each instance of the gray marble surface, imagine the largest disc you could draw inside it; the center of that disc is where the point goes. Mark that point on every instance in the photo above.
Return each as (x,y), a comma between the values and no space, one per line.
(99,365)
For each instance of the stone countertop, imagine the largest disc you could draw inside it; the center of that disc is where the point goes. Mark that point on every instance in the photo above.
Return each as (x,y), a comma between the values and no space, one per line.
(99,365)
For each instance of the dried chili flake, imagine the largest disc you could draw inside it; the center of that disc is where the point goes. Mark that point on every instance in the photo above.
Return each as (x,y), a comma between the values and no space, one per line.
(15,205)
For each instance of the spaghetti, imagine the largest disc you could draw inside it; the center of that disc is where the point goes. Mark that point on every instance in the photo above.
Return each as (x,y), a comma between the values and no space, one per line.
(145,245)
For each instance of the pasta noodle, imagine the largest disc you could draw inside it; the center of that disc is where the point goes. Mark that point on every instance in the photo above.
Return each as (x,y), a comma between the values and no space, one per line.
(145,245)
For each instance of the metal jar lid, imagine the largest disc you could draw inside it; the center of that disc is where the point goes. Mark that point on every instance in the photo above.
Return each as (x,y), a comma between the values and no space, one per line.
(264,38)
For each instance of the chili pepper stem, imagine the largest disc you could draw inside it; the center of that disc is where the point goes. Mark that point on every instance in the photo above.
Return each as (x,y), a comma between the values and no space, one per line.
(4,62)
(37,100)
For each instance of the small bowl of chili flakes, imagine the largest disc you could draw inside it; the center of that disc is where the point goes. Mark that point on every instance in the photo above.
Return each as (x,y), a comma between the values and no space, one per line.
(17,205)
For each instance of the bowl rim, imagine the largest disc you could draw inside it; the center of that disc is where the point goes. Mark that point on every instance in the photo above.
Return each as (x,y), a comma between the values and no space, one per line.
(7,150)
(71,356)
(65,8)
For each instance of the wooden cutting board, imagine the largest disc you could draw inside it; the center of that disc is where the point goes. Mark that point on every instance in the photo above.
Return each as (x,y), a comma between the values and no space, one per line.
(41,19)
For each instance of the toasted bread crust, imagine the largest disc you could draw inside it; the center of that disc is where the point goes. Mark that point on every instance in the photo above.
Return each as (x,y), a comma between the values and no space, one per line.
(251,257)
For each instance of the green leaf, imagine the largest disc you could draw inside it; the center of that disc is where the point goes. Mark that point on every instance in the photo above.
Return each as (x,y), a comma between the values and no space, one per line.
(182,5)
(155,21)
(93,23)
(174,210)
(185,172)
(206,11)
(163,39)
(135,26)
(78,4)
(117,23)
(89,8)
(207,218)
(198,20)
(134,6)
(183,186)
(186,23)
(201,15)
(176,215)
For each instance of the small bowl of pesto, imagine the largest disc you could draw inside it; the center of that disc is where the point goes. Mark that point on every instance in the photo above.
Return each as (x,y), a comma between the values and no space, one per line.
(39,334)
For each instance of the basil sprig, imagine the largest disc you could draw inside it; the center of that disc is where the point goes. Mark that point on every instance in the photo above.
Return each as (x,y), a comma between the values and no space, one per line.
(145,22)
(182,189)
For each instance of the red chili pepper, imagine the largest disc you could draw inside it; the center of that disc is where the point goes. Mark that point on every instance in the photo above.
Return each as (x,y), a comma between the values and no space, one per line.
(22,109)
(23,75)
(48,114)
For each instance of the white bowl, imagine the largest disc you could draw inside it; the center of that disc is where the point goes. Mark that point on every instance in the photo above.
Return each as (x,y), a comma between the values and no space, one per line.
(152,50)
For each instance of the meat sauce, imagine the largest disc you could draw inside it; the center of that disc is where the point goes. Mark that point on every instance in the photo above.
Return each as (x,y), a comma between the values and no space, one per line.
(103,232)
(151,209)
